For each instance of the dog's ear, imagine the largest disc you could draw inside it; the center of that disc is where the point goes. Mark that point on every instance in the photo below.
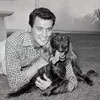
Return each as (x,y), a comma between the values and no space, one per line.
(68,39)
(53,35)
(52,43)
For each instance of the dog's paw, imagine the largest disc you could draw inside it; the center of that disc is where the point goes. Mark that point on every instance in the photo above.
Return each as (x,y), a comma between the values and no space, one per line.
(89,81)
(46,93)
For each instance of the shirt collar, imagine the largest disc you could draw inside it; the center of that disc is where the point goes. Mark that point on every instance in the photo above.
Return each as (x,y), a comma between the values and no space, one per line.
(27,40)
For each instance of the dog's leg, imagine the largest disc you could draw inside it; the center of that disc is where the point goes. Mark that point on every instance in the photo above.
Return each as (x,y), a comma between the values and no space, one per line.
(82,77)
(49,90)
(24,89)
(88,75)
(92,73)
(61,88)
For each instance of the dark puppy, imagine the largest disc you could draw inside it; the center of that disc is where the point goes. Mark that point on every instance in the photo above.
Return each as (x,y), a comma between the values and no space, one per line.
(56,73)
(61,43)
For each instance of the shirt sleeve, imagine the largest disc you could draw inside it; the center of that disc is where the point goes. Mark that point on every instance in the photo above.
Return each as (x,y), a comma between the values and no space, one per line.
(16,77)
(71,77)
(71,55)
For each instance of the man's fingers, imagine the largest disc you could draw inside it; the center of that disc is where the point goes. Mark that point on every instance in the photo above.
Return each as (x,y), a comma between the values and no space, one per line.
(43,84)
(38,84)
(47,79)
(57,54)
(40,80)
(55,58)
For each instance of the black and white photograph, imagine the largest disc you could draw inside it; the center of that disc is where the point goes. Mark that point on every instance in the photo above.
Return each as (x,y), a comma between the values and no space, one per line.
(49,49)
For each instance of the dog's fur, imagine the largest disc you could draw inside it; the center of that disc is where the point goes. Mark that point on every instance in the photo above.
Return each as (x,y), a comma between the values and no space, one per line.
(56,73)
(61,43)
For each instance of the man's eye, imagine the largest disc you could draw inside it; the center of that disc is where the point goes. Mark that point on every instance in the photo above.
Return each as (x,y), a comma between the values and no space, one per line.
(39,29)
(49,29)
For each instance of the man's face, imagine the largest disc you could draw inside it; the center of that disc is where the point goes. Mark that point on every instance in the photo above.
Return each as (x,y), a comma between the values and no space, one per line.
(41,31)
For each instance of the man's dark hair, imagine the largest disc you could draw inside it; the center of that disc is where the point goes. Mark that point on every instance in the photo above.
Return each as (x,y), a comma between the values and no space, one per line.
(43,13)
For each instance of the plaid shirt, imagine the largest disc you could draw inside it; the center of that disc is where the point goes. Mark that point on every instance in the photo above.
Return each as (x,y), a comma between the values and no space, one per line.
(20,52)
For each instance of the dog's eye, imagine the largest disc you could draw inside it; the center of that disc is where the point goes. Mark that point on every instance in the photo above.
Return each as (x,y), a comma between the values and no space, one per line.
(65,45)
(64,48)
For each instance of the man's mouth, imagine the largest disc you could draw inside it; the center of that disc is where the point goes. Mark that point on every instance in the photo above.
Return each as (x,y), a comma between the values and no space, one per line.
(43,39)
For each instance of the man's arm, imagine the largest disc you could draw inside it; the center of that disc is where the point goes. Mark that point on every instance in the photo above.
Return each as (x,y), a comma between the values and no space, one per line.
(71,53)
(72,84)
(69,70)
(16,77)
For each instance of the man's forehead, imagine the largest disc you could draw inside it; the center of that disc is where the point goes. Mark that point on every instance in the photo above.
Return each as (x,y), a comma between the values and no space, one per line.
(43,22)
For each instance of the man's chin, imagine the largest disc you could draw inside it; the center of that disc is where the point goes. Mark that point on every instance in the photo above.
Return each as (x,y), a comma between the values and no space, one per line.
(43,43)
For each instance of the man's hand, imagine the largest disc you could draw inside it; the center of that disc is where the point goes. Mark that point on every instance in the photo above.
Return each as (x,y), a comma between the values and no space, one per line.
(55,58)
(42,84)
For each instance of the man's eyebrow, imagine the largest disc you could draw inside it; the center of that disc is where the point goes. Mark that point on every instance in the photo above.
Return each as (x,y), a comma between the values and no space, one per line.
(39,26)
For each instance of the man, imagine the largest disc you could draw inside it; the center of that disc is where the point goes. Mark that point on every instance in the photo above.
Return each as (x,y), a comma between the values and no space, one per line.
(25,48)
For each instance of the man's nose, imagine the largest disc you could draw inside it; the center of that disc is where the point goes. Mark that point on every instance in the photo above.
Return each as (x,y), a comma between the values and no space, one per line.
(44,33)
